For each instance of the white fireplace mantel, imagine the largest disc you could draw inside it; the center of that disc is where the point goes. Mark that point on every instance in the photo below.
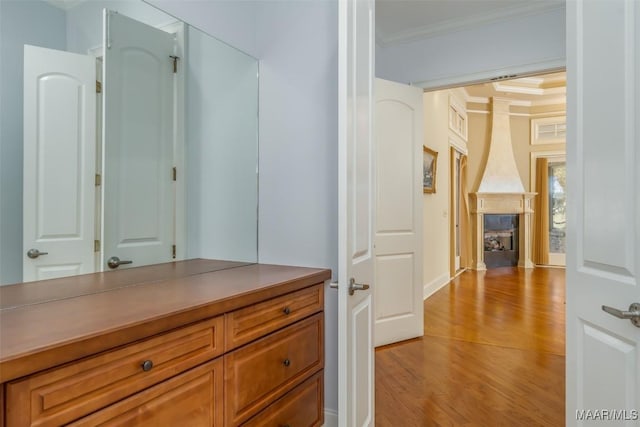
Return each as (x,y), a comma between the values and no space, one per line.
(502,203)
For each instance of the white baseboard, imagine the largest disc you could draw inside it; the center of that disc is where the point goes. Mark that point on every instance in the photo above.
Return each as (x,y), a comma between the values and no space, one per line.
(330,418)
(435,285)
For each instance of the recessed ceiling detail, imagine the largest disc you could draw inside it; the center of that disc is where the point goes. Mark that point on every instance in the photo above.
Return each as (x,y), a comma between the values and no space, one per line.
(546,89)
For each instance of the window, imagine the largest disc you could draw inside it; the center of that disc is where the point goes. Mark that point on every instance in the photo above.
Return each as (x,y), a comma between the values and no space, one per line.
(548,130)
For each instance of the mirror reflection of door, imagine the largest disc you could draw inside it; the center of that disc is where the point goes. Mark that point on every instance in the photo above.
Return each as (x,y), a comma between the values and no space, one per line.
(557,173)
(117,199)
(59,163)
(140,68)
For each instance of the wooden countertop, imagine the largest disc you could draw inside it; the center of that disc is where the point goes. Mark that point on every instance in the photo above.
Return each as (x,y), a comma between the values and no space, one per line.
(43,334)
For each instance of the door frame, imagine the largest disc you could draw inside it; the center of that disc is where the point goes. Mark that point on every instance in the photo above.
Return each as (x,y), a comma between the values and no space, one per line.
(456,149)
(559,260)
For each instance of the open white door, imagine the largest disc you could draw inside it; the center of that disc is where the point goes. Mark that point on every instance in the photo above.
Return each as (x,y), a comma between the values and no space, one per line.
(356,214)
(59,163)
(398,237)
(138,143)
(603,201)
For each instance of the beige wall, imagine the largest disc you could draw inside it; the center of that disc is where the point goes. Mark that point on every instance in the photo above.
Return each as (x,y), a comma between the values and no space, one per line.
(437,137)
(436,206)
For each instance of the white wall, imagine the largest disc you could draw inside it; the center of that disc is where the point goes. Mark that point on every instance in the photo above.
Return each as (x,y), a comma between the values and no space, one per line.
(22,22)
(483,51)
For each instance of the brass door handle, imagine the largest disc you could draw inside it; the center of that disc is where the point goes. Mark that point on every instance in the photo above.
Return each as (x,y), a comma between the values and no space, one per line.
(34,253)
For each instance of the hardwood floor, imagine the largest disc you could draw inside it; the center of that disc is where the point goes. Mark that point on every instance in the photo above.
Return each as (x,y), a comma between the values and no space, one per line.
(492,355)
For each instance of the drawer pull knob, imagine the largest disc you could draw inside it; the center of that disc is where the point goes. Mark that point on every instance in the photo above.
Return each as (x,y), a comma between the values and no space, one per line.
(286,310)
(286,362)
(147,365)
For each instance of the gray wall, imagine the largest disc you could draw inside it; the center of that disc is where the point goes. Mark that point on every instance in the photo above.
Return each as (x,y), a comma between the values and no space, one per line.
(297,44)
(21,22)
(221,150)
(482,51)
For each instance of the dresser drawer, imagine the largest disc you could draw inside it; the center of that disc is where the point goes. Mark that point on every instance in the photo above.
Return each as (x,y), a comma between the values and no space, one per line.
(191,399)
(249,323)
(259,373)
(301,407)
(69,392)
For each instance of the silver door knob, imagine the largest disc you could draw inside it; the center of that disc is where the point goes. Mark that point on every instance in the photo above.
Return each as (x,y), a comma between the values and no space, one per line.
(353,286)
(633,314)
(115,262)
(34,253)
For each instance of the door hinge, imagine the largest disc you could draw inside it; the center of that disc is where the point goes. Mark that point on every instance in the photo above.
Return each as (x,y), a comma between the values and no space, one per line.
(175,173)
(175,62)
(98,180)
(96,246)
(173,251)
(98,87)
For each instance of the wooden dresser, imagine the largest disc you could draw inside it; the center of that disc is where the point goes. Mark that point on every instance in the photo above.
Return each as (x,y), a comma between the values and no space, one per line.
(172,344)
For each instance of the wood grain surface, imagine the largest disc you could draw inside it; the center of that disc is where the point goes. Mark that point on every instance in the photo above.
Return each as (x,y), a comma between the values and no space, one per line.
(492,355)
(39,336)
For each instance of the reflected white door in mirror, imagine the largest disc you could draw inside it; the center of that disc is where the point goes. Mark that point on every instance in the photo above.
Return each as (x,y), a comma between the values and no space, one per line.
(92,206)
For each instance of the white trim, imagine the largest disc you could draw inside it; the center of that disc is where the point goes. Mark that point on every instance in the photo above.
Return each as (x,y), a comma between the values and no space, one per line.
(330,418)
(522,102)
(460,145)
(545,114)
(508,86)
(435,285)
(179,29)
(459,24)
(449,81)
(550,120)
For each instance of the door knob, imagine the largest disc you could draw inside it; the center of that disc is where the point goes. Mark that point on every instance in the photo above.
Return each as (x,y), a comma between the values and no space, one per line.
(633,314)
(34,253)
(114,262)
(353,286)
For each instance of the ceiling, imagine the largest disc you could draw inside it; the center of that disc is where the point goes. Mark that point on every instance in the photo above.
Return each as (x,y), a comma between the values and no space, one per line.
(407,20)
(544,89)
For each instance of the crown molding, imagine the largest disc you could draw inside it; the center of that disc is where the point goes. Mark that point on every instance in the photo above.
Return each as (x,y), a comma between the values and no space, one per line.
(453,25)
(520,102)
(506,86)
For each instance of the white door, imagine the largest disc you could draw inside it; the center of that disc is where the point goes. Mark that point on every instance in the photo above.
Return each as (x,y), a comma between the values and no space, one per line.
(138,143)
(356,213)
(399,200)
(603,257)
(59,163)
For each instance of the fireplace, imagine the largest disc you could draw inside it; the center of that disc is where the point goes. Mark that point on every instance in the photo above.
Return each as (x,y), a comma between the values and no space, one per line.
(502,229)
(501,209)
(500,240)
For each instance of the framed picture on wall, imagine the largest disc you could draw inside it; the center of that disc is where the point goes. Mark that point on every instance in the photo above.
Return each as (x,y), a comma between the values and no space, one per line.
(429,165)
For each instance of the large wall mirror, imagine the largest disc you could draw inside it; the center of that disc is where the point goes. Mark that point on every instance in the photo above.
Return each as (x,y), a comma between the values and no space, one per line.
(156,162)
